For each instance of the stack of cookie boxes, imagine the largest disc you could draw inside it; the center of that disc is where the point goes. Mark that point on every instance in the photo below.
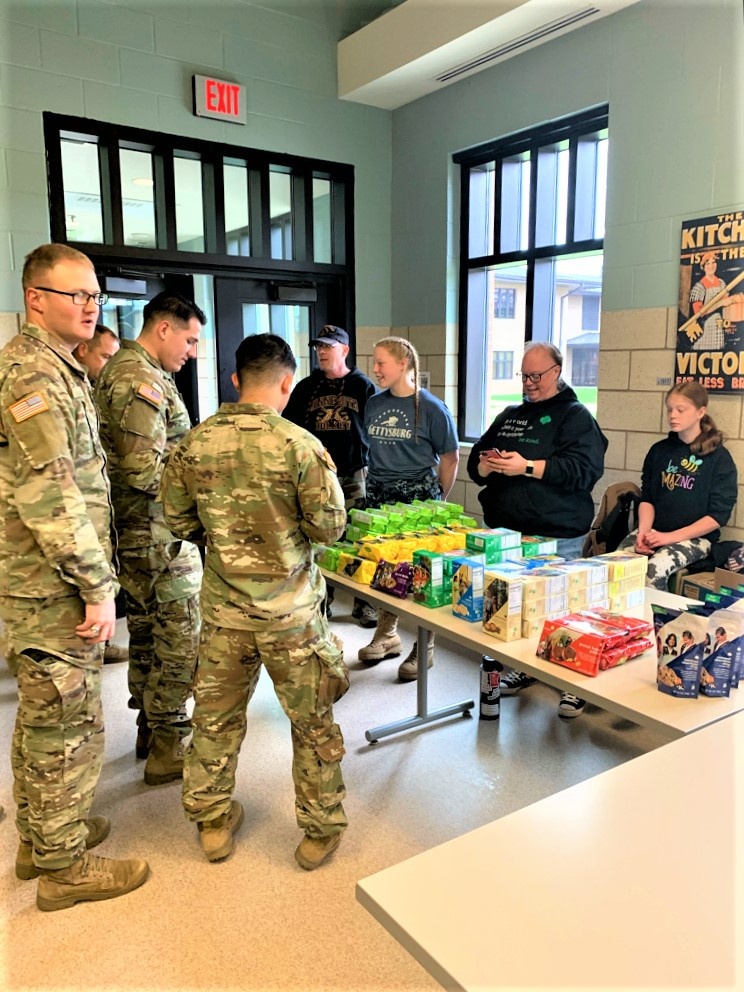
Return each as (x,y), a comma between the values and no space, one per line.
(521,595)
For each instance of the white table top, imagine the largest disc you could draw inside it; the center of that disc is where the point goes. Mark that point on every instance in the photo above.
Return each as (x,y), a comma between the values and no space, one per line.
(629,690)
(633,879)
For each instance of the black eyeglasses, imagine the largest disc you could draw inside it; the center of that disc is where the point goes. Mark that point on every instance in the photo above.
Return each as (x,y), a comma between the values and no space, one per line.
(534,376)
(79,298)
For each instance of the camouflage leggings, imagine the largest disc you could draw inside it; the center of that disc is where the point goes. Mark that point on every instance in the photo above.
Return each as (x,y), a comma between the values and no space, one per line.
(404,491)
(662,564)
(307,668)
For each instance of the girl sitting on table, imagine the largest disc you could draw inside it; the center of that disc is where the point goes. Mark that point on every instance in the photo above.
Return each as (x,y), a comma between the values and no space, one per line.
(688,488)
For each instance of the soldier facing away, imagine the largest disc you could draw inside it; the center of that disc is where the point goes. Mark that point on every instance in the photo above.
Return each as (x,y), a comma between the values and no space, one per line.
(57,583)
(143,417)
(258,489)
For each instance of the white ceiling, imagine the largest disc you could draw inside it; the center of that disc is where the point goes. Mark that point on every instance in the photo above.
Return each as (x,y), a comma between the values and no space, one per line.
(398,57)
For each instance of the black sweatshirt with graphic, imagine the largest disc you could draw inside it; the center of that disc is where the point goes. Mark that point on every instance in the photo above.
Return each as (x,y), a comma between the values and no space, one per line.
(683,487)
(333,410)
(563,432)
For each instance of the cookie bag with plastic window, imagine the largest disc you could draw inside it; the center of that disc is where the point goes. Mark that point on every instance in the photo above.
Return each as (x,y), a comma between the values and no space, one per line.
(680,644)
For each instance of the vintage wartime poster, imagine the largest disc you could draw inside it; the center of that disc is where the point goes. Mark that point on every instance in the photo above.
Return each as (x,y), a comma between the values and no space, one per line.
(710,329)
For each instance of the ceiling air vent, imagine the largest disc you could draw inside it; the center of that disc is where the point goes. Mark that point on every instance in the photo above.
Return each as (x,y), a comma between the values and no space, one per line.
(539,34)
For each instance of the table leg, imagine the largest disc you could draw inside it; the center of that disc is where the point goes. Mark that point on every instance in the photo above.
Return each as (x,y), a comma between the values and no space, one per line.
(422,693)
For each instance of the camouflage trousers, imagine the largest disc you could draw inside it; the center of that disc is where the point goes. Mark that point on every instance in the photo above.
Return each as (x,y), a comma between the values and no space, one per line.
(161,585)
(662,564)
(307,668)
(57,742)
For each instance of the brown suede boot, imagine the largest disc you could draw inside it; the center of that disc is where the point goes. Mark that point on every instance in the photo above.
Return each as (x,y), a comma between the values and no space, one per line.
(385,643)
(313,851)
(99,828)
(89,879)
(408,669)
(216,836)
(165,758)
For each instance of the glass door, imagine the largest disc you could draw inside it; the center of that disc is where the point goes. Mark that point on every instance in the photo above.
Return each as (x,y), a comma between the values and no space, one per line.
(261,306)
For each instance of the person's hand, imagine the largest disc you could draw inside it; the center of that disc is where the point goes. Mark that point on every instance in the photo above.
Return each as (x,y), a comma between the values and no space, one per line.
(510,463)
(100,622)
(642,547)
(656,539)
(490,463)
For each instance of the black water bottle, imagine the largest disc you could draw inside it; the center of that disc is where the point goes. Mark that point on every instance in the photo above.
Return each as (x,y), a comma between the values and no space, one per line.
(490,695)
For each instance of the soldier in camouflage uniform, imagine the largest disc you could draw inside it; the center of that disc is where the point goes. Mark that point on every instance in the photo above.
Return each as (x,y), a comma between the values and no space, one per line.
(93,355)
(142,419)
(57,583)
(258,489)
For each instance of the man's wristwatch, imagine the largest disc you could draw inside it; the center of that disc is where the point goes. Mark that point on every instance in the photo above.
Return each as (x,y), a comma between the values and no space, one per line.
(529,468)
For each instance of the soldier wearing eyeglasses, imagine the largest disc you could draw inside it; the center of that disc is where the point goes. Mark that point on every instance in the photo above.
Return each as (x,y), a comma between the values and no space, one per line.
(57,583)
(538,463)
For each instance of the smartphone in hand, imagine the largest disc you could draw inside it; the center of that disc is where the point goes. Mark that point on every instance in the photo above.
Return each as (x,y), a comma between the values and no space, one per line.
(490,453)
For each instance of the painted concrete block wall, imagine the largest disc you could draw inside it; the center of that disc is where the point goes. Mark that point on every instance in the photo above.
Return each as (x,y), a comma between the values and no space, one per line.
(671,72)
(131,62)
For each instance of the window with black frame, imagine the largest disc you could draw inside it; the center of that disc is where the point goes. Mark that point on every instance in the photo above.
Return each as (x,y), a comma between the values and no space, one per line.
(145,195)
(531,243)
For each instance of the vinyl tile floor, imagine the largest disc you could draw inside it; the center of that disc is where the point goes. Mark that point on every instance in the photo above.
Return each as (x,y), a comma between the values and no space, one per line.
(256,922)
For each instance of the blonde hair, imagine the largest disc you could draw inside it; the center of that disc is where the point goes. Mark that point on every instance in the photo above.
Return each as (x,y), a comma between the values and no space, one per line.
(709,437)
(45,257)
(402,350)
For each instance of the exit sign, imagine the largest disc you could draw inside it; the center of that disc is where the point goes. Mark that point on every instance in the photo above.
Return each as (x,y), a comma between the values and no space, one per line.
(219,99)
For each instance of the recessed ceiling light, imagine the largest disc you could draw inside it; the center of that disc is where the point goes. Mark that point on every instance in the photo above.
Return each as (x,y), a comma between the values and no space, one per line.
(143,182)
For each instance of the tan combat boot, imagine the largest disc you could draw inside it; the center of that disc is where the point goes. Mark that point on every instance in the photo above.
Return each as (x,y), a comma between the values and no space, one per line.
(408,670)
(313,851)
(385,643)
(98,829)
(216,836)
(89,879)
(165,758)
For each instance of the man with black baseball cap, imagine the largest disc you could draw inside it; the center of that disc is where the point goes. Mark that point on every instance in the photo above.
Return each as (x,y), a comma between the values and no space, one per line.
(331,334)
(330,404)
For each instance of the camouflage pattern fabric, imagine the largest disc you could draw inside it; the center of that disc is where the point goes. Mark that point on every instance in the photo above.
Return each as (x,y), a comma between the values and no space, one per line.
(259,489)
(56,535)
(142,419)
(403,491)
(307,668)
(161,586)
(354,488)
(666,561)
(55,556)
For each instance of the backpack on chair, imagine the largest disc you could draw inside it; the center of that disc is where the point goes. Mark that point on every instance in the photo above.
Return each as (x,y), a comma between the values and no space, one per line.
(616,517)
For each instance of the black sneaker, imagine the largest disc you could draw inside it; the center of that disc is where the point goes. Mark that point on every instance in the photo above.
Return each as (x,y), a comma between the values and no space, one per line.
(364,614)
(570,705)
(512,682)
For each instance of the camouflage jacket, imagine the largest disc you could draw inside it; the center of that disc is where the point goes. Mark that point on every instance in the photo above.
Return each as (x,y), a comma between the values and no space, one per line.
(142,419)
(56,532)
(257,490)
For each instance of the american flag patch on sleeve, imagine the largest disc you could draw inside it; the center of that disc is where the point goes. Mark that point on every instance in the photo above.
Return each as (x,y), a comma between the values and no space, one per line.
(150,393)
(29,406)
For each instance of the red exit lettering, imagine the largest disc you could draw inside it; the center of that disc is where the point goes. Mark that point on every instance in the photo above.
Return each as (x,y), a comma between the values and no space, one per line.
(222,98)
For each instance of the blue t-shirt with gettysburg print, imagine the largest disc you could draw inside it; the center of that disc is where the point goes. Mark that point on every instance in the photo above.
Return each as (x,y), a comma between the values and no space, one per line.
(394,454)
